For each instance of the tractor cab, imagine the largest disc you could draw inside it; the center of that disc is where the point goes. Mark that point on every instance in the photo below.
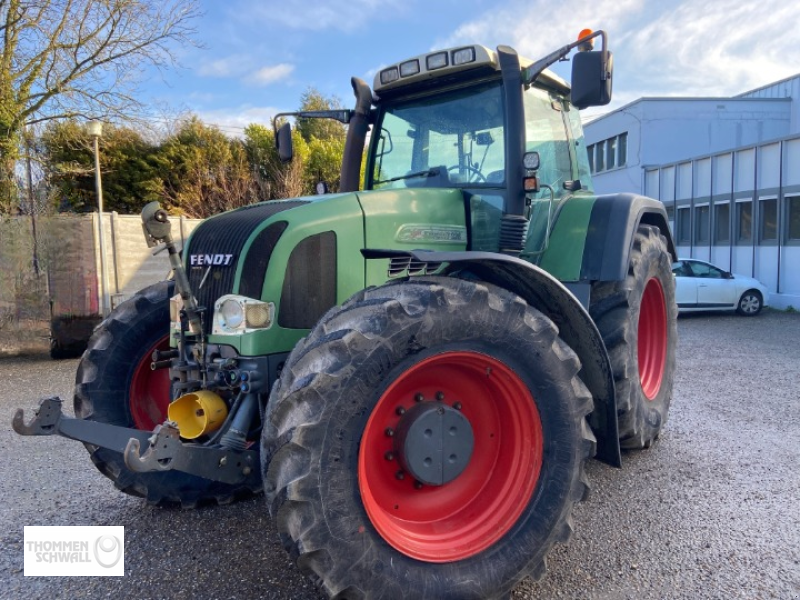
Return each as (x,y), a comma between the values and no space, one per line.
(502,128)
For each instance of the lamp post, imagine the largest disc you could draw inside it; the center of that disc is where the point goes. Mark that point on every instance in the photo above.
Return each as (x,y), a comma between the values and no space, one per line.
(96,130)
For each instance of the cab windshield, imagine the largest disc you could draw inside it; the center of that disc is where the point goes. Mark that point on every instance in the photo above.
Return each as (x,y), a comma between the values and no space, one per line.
(453,139)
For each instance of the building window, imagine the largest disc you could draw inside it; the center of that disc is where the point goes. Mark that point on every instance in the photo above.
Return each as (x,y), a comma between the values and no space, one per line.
(609,154)
(722,223)
(703,224)
(793,218)
(684,226)
(768,220)
(599,157)
(744,221)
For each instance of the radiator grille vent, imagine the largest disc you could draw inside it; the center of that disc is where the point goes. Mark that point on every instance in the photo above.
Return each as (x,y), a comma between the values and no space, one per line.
(402,266)
(215,251)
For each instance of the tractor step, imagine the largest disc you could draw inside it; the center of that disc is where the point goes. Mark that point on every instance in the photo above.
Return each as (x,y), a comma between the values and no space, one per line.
(163,449)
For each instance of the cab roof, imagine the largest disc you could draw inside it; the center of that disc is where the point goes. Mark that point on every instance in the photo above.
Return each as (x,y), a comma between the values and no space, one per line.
(475,60)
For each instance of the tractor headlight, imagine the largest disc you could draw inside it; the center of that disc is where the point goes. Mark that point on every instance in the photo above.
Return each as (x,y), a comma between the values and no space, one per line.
(230,314)
(237,314)
(436,61)
(463,56)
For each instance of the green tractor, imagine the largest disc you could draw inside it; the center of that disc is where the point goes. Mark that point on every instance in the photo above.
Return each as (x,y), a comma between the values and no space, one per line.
(414,373)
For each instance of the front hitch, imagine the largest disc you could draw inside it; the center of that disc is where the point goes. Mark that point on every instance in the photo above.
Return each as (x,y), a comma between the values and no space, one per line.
(163,449)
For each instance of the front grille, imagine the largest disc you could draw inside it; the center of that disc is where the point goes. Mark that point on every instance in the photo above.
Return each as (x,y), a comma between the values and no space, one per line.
(211,272)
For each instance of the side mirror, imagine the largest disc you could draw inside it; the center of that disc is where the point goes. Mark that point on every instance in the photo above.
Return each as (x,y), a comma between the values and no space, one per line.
(592,78)
(284,142)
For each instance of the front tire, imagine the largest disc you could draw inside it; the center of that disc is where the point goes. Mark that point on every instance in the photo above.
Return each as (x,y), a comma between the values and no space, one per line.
(115,385)
(637,318)
(349,503)
(750,304)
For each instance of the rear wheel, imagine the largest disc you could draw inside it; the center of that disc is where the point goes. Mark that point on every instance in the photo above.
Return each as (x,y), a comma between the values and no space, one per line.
(116,385)
(637,318)
(427,440)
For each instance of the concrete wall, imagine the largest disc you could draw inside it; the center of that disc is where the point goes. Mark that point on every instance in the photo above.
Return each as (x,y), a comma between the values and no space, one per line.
(68,251)
(132,265)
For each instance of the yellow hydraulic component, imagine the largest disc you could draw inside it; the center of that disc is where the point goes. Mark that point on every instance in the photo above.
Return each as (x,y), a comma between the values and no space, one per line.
(198,413)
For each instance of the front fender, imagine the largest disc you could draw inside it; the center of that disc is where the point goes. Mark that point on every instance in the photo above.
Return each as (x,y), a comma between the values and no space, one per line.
(548,295)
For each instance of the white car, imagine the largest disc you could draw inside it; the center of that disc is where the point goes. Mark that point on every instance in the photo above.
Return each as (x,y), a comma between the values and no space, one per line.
(702,286)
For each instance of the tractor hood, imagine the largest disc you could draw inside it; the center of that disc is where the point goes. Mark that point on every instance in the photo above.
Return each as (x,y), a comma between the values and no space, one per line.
(215,252)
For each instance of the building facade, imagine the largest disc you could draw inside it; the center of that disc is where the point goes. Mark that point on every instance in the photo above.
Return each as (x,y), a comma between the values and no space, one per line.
(727,171)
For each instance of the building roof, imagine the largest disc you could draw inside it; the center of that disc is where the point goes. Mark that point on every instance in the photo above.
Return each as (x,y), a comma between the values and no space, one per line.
(769,85)
(595,118)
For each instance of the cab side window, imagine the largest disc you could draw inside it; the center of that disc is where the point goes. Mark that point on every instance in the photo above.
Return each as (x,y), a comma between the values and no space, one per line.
(546,133)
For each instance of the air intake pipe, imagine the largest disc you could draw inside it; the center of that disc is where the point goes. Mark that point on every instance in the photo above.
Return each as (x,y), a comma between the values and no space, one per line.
(514,224)
(356,137)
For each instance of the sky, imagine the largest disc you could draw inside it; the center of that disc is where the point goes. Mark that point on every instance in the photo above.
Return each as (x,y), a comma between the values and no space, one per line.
(257,57)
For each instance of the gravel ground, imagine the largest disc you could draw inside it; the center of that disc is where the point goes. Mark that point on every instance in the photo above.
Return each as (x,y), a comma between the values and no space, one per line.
(710,512)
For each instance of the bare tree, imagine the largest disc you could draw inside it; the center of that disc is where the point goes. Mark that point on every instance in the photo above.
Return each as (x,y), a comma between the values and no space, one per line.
(79,58)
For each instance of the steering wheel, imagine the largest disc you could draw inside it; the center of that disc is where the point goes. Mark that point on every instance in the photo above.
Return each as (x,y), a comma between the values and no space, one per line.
(472,172)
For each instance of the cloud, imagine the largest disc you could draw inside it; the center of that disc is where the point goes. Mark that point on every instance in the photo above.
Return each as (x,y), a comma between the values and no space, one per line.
(684,48)
(342,15)
(233,120)
(537,28)
(716,47)
(271,74)
(230,66)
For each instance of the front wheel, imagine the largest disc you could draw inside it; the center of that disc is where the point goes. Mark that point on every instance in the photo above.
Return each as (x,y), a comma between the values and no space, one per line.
(637,318)
(750,304)
(116,385)
(427,440)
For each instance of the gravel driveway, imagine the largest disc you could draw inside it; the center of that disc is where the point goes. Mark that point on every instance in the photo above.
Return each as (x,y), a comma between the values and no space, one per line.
(711,511)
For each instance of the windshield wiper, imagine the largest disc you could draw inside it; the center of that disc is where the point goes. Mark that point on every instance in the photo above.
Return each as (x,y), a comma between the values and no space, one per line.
(427,173)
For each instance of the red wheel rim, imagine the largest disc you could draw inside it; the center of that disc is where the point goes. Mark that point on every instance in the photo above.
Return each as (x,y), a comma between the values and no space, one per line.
(467,515)
(148,396)
(652,338)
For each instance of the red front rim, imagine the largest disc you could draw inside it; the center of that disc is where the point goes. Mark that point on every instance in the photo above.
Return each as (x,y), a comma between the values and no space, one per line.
(148,396)
(652,338)
(467,515)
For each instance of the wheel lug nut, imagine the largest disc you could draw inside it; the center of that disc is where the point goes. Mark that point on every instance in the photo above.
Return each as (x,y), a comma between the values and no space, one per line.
(440,396)
(418,485)
(389,432)
(389,455)
(400,475)
(419,397)
(400,410)
(457,405)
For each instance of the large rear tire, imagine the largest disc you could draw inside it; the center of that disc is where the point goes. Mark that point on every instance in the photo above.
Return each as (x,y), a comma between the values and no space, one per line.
(115,385)
(349,501)
(637,318)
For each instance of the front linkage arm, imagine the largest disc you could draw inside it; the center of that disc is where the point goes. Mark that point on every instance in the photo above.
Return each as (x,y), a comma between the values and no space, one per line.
(164,450)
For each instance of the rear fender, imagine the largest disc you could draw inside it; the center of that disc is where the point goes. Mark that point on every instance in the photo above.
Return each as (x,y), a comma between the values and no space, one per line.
(548,295)
(614,220)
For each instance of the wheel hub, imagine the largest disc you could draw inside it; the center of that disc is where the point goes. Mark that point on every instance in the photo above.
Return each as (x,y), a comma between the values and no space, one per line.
(434,442)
